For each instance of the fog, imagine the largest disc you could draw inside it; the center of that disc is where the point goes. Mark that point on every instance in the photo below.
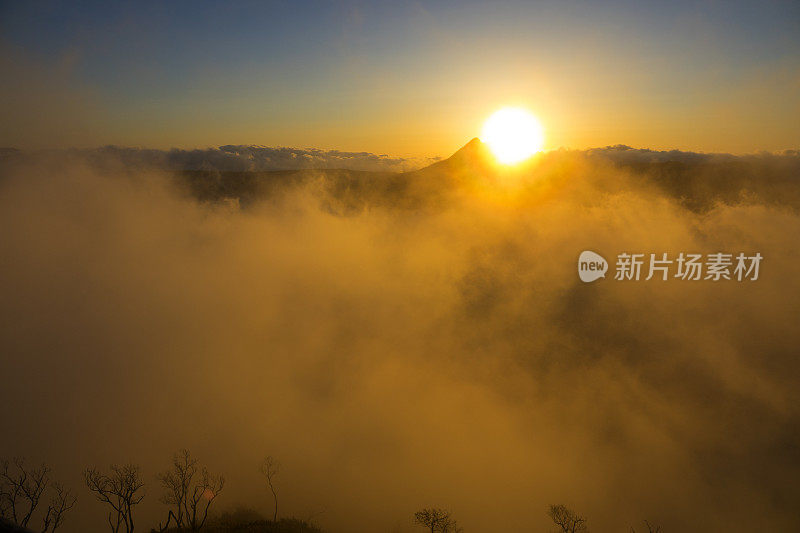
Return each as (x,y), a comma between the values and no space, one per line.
(410,340)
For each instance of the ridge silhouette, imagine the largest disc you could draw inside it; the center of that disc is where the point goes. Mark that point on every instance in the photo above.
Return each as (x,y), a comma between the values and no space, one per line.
(473,154)
(472,161)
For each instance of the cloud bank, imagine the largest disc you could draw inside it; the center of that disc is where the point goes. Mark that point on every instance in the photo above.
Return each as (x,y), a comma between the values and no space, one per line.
(249,158)
(411,340)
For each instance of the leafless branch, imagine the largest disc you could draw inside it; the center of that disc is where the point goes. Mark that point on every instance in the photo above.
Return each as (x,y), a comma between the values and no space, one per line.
(568,520)
(190,494)
(21,489)
(269,469)
(120,490)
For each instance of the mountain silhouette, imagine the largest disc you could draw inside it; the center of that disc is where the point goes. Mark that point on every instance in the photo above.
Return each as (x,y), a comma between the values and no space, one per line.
(471,161)
(350,191)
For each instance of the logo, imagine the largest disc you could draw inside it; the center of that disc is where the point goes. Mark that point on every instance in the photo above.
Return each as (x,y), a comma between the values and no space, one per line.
(683,266)
(591,266)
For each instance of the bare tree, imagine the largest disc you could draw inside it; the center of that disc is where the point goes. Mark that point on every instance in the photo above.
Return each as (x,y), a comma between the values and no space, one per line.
(651,528)
(451,526)
(190,490)
(269,469)
(568,520)
(119,490)
(62,501)
(176,482)
(21,490)
(436,521)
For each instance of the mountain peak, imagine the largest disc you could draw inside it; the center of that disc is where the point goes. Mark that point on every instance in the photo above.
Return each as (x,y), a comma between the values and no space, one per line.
(474,154)
(471,160)
(473,148)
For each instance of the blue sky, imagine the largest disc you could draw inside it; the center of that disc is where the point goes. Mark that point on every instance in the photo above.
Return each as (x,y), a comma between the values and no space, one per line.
(410,78)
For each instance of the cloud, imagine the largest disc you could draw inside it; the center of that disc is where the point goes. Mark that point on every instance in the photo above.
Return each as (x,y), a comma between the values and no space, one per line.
(239,158)
(431,344)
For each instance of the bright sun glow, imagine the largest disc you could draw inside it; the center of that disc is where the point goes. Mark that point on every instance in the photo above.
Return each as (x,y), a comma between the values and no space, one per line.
(513,135)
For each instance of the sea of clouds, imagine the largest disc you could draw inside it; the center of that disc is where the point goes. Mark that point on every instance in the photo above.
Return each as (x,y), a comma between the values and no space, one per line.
(429,345)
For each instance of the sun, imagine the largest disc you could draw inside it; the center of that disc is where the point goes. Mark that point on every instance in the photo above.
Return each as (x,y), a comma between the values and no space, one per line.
(513,134)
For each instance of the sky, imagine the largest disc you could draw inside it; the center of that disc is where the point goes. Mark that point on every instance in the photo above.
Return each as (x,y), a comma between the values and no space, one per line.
(405,78)
(403,340)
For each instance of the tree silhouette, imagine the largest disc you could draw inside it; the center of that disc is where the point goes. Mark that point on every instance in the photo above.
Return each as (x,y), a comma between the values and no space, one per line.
(269,469)
(436,520)
(190,490)
(119,490)
(568,520)
(21,490)
(62,501)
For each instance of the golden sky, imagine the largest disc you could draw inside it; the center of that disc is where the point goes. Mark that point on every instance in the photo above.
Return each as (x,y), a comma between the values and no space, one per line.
(404,79)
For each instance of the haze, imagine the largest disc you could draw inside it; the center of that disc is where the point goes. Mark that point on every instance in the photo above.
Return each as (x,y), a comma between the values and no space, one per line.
(262,229)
